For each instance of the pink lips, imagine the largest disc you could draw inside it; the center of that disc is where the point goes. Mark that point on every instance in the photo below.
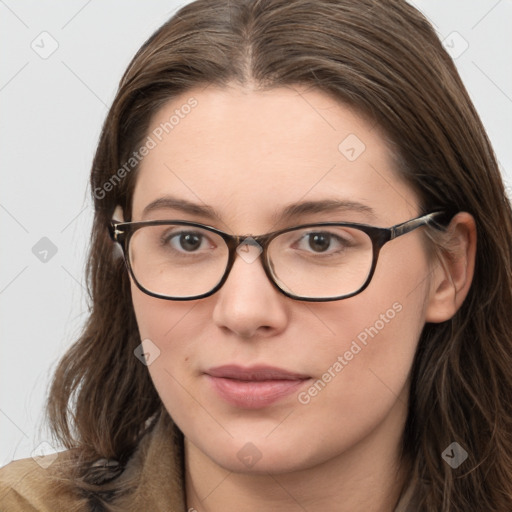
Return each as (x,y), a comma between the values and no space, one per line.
(254,387)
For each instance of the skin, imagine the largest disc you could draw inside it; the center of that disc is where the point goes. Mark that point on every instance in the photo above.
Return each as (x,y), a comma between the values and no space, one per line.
(248,154)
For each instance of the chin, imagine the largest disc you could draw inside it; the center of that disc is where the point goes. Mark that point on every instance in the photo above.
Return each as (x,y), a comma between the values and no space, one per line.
(248,455)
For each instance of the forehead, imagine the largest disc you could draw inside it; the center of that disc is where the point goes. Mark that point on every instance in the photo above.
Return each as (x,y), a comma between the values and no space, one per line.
(247,152)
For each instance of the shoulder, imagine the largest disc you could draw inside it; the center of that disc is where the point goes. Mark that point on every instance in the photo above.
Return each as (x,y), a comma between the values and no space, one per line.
(31,485)
(152,478)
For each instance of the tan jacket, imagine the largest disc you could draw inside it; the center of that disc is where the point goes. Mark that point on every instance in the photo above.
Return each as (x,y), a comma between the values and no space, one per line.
(156,469)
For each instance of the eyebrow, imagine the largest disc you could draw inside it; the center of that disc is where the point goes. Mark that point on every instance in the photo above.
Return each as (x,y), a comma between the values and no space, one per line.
(287,213)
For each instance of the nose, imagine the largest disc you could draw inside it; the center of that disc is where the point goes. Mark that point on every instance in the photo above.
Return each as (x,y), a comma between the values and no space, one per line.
(248,304)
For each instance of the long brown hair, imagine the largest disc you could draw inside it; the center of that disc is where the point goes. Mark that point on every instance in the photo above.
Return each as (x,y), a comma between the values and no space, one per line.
(384,59)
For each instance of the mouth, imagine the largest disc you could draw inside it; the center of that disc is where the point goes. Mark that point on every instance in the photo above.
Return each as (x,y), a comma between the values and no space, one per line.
(253,387)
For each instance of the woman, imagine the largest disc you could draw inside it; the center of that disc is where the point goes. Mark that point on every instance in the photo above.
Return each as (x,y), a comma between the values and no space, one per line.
(290,307)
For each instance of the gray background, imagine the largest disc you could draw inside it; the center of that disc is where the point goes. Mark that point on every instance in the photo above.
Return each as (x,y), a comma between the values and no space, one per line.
(53,106)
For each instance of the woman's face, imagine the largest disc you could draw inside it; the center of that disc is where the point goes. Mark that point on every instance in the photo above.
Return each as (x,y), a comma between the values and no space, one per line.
(341,368)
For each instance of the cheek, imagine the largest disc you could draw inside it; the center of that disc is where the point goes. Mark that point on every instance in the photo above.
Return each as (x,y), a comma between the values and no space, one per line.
(369,358)
(154,316)
(171,334)
(374,335)
(364,374)
(174,327)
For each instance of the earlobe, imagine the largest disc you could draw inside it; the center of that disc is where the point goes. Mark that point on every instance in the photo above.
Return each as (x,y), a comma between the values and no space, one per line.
(453,271)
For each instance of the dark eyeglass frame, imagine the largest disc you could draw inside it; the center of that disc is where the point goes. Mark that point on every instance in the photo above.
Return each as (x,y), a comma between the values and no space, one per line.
(121,233)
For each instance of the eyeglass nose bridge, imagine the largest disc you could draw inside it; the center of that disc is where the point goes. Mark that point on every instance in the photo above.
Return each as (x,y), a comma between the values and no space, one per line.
(249,248)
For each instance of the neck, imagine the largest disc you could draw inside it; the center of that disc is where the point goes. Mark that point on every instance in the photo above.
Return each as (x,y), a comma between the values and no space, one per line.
(368,477)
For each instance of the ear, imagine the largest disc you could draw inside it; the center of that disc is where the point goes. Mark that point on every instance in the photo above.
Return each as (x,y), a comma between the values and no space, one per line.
(118,214)
(453,271)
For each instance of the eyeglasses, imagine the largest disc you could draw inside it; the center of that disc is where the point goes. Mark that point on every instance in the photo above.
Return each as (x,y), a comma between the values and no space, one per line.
(182,260)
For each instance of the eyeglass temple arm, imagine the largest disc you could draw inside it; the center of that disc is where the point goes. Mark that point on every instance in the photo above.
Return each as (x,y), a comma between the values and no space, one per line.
(410,225)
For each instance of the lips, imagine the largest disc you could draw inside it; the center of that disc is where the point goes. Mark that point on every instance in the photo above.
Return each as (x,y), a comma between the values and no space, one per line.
(253,387)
